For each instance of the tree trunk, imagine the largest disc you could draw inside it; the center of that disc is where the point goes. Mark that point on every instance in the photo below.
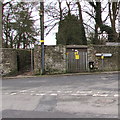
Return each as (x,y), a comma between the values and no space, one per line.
(61,16)
(84,39)
(113,16)
(68,5)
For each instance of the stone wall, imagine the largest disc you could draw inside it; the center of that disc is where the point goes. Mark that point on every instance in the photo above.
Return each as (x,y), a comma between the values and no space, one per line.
(8,65)
(55,59)
(37,60)
(14,61)
(109,63)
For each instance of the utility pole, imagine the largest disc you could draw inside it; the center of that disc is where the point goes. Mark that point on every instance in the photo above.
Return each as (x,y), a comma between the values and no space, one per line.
(42,37)
(119,22)
(1,13)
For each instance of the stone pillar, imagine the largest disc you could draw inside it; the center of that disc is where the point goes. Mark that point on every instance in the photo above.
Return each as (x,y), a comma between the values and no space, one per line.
(0,25)
(9,61)
(37,60)
(0,57)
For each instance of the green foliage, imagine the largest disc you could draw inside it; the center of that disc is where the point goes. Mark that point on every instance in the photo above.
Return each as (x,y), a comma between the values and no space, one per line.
(19,30)
(70,31)
(109,31)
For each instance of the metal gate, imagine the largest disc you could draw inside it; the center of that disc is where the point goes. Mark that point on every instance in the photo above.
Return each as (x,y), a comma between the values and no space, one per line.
(77,60)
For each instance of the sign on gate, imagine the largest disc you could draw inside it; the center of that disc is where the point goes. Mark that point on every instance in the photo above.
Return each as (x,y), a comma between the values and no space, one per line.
(77,59)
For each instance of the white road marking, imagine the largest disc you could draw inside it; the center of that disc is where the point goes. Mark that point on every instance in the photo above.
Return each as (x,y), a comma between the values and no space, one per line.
(53,94)
(84,92)
(103,95)
(75,94)
(32,91)
(95,95)
(42,94)
(59,91)
(65,92)
(37,94)
(23,91)
(13,93)
(116,95)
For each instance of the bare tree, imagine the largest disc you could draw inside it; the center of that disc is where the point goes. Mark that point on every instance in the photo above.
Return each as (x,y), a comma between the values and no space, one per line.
(81,23)
(113,13)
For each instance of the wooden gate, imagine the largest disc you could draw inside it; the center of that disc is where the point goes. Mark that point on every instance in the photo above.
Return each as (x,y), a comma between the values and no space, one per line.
(77,60)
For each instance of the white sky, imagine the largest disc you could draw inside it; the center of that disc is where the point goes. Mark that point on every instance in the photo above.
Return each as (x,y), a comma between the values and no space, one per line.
(50,39)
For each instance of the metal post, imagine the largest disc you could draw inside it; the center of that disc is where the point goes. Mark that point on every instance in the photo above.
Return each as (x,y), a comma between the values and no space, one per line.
(119,22)
(42,37)
(102,57)
(31,59)
(1,13)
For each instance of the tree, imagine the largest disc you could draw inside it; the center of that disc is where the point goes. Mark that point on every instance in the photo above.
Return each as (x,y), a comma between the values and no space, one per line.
(6,13)
(0,25)
(83,36)
(55,13)
(19,30)
(69,31)
(113,13)
(99,24)
(7,30)
(58,14)
(23,25)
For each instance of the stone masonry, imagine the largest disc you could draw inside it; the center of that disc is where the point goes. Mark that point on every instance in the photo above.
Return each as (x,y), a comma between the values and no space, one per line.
(109,63)
(14,61)
(55,59)
(8,64)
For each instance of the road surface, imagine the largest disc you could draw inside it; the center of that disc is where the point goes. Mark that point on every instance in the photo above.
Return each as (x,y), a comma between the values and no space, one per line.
(76,96)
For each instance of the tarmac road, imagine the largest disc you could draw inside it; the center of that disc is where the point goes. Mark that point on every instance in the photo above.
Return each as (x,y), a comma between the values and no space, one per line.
(76,96)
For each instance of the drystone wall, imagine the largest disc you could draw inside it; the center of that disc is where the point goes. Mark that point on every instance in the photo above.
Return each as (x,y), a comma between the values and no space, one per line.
(13,61)
(8,64)
(108,63)
(55,59)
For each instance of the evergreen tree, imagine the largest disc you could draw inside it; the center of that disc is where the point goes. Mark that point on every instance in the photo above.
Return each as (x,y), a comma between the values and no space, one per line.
(69,31)
(24,25)
(19,30)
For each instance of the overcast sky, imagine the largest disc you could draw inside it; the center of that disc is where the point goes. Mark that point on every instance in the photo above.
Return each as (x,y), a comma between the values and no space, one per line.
(50,39)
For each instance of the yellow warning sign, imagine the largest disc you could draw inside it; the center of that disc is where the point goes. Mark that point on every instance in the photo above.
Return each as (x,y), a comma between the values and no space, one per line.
(102,57)
(76,53)
(77,57)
